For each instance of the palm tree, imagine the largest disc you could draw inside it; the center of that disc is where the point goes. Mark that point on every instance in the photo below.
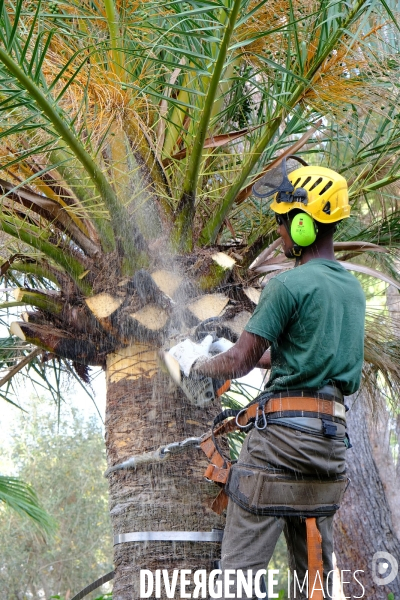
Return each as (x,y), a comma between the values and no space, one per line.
(131,135)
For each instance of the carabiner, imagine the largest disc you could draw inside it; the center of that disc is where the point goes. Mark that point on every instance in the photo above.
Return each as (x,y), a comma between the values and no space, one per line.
(242,427)
(264,420)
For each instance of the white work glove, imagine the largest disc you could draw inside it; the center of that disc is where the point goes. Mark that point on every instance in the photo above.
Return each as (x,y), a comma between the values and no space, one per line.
(220,345)
(199,389)
(187,352)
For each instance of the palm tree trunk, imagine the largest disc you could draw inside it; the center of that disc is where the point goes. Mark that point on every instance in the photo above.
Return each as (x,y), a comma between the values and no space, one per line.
(142,414)
(363,525)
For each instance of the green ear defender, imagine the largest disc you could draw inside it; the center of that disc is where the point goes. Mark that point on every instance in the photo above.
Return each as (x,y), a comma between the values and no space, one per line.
(303,229)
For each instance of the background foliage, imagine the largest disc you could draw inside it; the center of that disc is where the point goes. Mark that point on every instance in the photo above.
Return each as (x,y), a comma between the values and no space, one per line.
(65,462)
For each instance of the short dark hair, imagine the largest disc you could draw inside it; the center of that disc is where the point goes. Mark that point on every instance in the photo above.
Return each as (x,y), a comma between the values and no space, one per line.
(326,228)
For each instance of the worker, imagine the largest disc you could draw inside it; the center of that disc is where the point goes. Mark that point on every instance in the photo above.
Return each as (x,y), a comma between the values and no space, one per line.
(309,329)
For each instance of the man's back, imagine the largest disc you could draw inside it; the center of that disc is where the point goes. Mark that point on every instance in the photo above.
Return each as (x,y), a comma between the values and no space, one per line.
(314,318)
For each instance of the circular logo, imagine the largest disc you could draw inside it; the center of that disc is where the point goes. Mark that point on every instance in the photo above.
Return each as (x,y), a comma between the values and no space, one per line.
(384,568)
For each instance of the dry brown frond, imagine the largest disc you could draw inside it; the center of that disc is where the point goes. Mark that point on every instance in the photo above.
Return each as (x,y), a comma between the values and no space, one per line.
(348,75)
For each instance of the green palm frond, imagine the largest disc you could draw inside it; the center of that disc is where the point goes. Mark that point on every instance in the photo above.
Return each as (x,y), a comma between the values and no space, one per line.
(126,127)
(20,497)
(14,356)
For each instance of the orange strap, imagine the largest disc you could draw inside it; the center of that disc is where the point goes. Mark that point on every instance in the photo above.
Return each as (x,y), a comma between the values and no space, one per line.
(224,388)
(315,563)
(220,502)
(297,403)
(218,469)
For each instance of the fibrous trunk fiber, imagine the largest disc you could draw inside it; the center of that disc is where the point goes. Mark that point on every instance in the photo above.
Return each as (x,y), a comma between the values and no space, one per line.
(142,414)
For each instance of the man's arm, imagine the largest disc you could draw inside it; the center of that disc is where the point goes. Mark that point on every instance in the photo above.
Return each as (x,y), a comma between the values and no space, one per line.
(236,362)
(265,360)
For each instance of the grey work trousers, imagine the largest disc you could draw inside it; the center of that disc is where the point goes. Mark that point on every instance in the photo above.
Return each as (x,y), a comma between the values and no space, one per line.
(249,540)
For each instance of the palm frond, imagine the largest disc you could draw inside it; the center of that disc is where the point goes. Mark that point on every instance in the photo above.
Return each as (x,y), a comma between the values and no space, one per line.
(116,115)
(21,498)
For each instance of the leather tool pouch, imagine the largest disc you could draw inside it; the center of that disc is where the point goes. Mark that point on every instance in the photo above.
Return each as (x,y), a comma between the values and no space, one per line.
(276,493)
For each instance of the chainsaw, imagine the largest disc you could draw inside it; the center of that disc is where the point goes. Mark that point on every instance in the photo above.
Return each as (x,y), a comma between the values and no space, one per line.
(199,389)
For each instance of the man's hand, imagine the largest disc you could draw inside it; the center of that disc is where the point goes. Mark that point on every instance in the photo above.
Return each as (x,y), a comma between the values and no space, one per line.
(179,360)
(202,371)
(220,345)
(187,352)
(235,362)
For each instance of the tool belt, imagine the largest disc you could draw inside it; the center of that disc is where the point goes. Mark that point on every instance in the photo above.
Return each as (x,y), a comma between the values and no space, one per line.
(269,492)
(322,404)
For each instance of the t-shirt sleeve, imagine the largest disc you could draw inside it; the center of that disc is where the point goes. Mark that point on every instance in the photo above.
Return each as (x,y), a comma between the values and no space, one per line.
(273,312)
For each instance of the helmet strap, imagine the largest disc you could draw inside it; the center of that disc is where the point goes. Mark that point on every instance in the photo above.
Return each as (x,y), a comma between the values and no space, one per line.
(296,252)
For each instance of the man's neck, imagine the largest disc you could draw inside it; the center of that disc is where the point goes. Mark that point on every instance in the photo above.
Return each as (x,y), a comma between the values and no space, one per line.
(322,248)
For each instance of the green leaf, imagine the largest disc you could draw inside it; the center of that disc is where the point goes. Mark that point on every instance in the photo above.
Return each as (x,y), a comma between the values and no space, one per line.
(21,497)
(185,211)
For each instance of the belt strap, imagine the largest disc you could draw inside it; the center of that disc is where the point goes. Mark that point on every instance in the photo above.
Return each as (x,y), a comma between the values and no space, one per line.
(328,392)
(298,404)
(315,562)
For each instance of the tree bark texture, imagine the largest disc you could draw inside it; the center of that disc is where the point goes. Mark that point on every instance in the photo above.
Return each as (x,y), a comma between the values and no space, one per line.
(363,525)
(389,471)
(142,414)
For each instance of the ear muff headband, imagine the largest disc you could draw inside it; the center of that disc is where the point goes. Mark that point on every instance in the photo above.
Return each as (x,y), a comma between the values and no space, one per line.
(303,230)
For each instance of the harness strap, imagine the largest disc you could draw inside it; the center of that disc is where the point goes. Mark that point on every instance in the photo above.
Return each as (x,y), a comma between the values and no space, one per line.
(220,503)
(218,469)
(315,562)
(224,388)
(299,404)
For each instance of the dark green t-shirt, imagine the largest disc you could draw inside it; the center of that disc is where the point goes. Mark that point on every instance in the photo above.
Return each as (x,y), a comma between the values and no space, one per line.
(313,316)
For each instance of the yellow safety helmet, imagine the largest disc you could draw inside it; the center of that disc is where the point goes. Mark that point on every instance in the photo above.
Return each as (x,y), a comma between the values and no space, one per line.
(325,197)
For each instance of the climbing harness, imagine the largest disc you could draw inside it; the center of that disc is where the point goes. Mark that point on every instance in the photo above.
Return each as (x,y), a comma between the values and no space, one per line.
(256,415)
